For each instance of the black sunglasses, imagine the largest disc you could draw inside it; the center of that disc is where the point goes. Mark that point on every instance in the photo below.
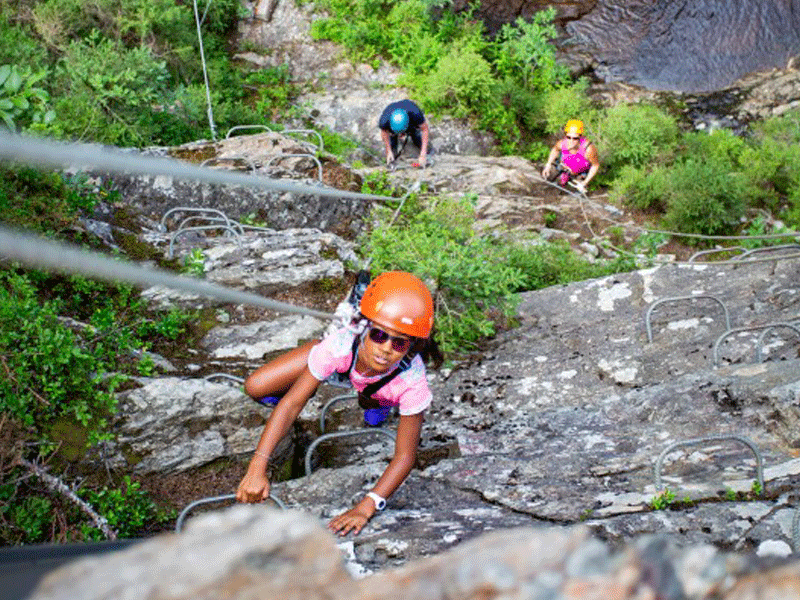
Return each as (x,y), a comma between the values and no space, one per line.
(573,137)
(399,344)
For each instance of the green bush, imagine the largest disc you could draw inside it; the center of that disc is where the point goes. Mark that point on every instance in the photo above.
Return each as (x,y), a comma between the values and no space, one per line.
(721,147)
(22,101)
(772,165)
(522,51)
(568,102)
(107,90)
(128,509)
(460,84)
(42,201)
(702,198)
(51,372)
(639,135)
(645,189)
(546,264)
(18,42)
(33,516)
(474,287)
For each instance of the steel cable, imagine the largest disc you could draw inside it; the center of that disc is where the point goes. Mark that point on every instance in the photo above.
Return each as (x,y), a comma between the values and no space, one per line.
(34,251)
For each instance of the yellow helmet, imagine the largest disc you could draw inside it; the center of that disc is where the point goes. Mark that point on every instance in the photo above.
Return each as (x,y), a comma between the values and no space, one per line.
(574,126)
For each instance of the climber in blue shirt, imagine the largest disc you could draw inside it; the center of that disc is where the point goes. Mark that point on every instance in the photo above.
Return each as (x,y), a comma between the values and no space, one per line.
(399,119)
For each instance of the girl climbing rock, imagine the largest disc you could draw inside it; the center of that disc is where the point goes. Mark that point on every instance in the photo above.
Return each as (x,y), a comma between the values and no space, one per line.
(577,158)
(379,352)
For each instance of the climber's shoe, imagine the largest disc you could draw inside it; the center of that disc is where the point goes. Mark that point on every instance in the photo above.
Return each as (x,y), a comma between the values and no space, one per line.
(269,400)
(373,417)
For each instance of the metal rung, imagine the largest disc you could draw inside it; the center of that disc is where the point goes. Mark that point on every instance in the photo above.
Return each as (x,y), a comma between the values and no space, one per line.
(731,332)
(185,512)
(682,298)
(224,376)
(311,156)
(219,159)
(330,403)
(338,434)
(763,335)
(712,438)
(192,209)
(310,131)
(230,223)
(742,257)
(717,251)
(202,228)
(239,127)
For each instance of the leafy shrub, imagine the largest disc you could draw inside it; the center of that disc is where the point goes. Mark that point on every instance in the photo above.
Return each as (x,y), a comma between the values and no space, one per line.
(460,84)
(568,102)
(50,371)
(720,146)
(128,509)
(474,287)
(522,50)
(18,42)
(164,27)
(22,102)
(772,164)
(41,200)
(644,189)
(701,198)
(274,90)
(546,264)
(107,90)
(33,516)
(634,134)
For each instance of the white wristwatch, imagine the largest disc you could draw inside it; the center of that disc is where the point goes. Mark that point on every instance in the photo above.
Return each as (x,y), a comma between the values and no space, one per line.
(380,503)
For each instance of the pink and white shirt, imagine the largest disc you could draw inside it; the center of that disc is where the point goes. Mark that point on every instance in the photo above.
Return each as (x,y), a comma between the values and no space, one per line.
(577,162)
(409,390)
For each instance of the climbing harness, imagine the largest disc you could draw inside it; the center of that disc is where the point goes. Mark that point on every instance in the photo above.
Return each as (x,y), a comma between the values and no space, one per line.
(392,165)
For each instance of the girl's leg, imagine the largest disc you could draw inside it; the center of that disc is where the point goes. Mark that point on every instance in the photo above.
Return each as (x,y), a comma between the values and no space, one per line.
(278,375)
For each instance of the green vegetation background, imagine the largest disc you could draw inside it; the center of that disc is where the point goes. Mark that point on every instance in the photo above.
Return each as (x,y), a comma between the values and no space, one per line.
(128,73)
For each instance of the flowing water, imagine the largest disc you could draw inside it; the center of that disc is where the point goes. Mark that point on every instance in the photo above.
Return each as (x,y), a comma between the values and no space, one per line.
(688,45)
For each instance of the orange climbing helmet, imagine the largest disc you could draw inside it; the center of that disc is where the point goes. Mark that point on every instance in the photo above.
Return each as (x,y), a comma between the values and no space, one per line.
(574,126)
(400,301)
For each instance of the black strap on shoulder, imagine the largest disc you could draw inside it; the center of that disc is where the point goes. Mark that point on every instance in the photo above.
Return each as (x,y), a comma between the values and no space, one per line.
(373,387)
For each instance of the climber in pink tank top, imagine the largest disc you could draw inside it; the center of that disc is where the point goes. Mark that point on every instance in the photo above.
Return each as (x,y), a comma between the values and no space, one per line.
(577,158)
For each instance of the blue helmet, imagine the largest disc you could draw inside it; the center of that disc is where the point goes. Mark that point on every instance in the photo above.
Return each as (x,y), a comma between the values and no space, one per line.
(398,121)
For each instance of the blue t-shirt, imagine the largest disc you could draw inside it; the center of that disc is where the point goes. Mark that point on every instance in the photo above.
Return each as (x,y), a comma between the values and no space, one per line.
(415,115)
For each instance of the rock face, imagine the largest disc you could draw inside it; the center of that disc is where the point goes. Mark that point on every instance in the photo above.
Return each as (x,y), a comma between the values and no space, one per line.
(269,154)
(550,438)
(253,552)
(562,420)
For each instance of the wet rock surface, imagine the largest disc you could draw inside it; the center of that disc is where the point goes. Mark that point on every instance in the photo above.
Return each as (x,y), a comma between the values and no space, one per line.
(688,46)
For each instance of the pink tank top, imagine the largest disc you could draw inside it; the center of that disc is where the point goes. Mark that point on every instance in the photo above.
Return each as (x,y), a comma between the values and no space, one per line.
(577,163)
